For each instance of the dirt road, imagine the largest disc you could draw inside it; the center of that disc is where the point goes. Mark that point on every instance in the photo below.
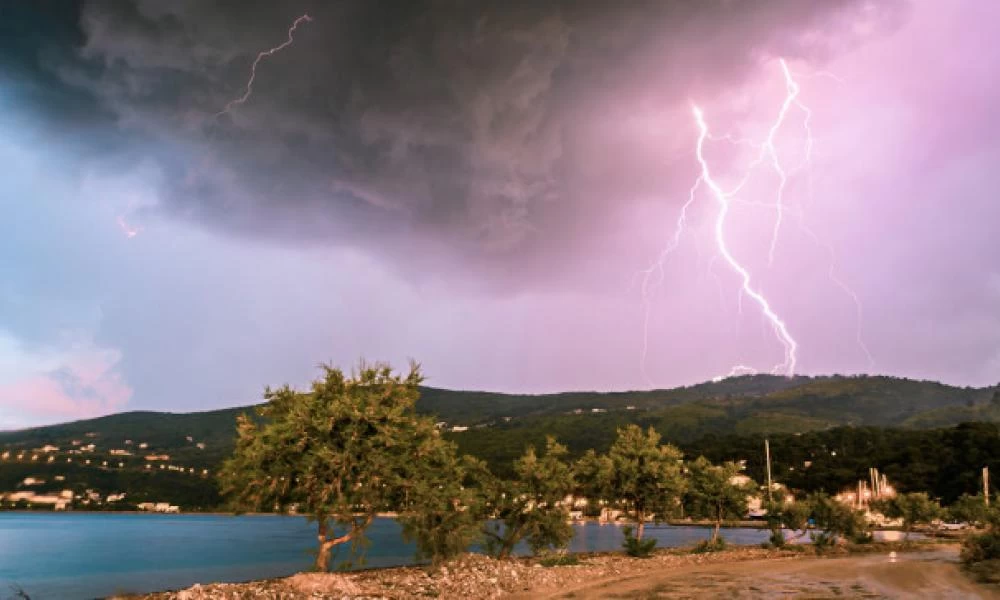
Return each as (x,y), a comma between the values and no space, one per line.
(927,574)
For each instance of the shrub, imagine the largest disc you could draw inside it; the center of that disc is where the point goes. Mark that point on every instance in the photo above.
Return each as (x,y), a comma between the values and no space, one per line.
(823,541)
(711,545)
(559,560)
(636,547)
(981,555)
(862,537)
(777,539)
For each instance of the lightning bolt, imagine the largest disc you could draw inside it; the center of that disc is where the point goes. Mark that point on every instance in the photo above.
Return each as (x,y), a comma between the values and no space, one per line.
(723,198)
(132,231)
(791,98)
(261,56)
(766,154)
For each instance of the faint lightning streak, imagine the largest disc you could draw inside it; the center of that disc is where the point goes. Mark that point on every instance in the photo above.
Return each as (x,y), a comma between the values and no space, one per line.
(657,267)
(722,197)
(791,98)
(261,56)
(832,275)
(832,255)
(130,231)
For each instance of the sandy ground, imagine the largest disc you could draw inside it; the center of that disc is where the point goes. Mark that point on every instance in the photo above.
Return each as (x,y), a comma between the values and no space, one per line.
(925,574)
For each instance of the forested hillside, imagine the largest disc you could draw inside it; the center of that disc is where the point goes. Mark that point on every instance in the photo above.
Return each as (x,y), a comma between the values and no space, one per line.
(171,457)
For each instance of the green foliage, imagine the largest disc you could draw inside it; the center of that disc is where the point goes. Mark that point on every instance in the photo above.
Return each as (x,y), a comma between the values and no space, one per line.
(643,475)
(776,539)
(529,506)
(700,419)
(973,510)
(836,521)
(592,474)
(339,453)
(945,463)
(637,547)
(714,493)
(913,508)
(440,510)
(981,555)
(822,540)
(713,544)
(559,559)
(785,513)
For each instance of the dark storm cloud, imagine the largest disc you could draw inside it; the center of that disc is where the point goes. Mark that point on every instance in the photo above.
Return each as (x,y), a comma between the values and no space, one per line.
(472,129)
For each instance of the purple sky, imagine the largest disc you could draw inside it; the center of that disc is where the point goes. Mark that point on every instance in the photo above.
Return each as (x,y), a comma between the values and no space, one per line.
(480,188)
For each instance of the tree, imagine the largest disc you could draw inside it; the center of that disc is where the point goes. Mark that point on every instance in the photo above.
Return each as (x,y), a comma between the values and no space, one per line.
(973,510)
(440,505)
(912,508)
(339,452)
(714,492)
(785,512)
(644,476)
(592,474)
(529,507)
(836,520)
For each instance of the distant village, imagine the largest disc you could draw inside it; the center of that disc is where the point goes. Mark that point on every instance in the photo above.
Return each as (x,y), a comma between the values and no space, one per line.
(39,492)
(138,455)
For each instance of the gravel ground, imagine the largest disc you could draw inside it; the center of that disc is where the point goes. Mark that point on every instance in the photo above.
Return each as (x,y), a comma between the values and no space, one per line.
(472,576)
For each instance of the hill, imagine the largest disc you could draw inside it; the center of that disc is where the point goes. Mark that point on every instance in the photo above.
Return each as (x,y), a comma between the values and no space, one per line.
(493,426)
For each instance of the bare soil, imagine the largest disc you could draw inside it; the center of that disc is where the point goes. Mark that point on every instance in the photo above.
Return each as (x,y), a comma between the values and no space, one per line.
(931,571)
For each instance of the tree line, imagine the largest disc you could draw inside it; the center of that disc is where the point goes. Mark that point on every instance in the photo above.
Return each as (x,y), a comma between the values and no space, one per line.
(354,446)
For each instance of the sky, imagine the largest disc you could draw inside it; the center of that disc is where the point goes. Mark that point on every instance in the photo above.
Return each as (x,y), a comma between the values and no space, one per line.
(491,189)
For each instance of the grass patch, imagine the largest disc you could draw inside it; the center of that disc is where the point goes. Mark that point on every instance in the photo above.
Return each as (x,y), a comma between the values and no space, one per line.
(559,560)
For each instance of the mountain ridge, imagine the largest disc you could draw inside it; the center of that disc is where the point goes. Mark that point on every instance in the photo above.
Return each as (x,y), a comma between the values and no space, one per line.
(162,456)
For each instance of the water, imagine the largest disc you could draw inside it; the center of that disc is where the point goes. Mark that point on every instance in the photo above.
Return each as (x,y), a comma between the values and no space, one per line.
(80,555)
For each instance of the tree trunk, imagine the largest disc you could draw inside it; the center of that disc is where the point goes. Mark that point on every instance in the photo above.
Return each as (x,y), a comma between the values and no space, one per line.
(641,517)
(325,543)
(715,531)
(323,555)
(323,558)
(511,538)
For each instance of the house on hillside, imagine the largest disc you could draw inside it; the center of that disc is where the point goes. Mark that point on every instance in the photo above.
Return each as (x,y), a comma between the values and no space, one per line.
(160,507)
(57,501)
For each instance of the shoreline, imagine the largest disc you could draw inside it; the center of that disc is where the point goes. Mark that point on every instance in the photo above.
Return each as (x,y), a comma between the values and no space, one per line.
(927,532)
(597,575)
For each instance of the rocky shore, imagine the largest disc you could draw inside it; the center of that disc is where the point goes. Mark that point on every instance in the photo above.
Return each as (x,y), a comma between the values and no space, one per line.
(476,576)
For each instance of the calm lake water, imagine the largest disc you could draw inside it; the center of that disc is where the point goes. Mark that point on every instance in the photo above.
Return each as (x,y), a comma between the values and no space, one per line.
(70,556)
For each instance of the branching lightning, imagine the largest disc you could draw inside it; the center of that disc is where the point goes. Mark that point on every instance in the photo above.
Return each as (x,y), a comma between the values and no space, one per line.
(766,153)
(723,197)
(261,56)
